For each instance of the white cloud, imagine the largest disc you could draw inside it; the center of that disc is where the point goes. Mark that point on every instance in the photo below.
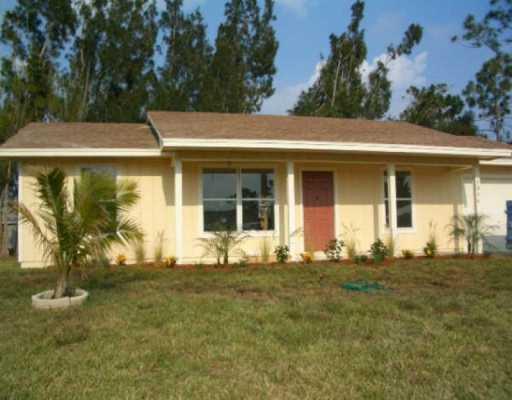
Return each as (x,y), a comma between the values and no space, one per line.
(403,72)
(299,7)
(285,97)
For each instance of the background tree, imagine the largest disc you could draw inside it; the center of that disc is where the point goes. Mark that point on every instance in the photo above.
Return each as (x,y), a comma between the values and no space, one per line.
(340,90)
(435,107)
(187,58)
(490,90)
(35,32)
(111,64)
(242,70)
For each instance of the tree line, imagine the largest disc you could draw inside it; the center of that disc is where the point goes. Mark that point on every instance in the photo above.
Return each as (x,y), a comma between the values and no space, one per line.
(95,60)
(111,60)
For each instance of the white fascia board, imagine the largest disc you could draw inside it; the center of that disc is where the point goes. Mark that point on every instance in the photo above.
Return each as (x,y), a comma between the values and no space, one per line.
(82,152)
(155,128)
(505,162)
(297,145)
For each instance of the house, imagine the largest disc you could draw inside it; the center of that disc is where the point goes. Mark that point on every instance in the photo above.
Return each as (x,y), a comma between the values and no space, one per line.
(299,181)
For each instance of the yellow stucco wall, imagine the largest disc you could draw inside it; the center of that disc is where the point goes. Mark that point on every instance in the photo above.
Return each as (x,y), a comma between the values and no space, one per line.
(359,205)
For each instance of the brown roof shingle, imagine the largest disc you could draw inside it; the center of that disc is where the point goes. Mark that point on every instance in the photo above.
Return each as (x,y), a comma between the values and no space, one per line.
(199,125)
(75,135)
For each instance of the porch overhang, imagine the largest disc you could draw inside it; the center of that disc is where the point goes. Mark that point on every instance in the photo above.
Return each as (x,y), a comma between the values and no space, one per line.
(332,147)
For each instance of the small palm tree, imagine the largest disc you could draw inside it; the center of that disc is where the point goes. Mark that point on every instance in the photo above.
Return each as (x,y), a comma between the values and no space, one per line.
(221,244)
(473,228)
(73,230)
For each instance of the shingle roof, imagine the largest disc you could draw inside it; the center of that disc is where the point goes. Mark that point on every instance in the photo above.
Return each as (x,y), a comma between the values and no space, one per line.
(76,135)
(199,125)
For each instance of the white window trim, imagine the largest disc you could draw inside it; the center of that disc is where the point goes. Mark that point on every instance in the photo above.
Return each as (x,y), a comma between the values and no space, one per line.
(387,229)
(239,209)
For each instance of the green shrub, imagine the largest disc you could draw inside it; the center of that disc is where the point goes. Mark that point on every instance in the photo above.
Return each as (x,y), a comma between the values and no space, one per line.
(282,253)
(159,248)
(334,249)
(379,251)
(407,254)
(430,248)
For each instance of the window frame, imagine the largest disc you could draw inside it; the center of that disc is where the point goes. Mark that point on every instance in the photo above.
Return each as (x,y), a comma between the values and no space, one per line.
(109,167)
(387,228)
(239,200)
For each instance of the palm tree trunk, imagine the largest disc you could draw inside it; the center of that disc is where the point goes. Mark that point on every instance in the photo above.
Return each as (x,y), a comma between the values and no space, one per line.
(62,287)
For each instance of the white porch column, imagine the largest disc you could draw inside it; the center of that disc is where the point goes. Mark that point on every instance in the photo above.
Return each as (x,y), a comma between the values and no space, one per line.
(391,176)
(178,208)
(292,223)
(476,199)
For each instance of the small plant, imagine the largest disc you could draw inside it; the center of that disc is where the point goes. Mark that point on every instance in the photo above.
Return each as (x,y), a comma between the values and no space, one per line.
(170,262)
(159,245)
(350,236)
(391,246)
(282,254)
(140,252)
(407,254)
(430,249)
(379,251)
(473,228)
(360,259)
(221,244)
(307,258)
(243,262)
(265,251)
(334,249)
(121,259)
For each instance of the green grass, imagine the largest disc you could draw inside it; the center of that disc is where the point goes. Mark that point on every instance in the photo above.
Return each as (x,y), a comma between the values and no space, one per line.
(442,332)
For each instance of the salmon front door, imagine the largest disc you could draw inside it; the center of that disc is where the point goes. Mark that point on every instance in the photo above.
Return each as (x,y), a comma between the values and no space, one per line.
(318,200)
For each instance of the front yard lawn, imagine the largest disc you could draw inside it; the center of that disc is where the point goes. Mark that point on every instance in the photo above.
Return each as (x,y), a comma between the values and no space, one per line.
(443,331)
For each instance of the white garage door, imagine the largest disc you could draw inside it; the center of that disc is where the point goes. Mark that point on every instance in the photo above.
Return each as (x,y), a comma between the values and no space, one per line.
(495,192)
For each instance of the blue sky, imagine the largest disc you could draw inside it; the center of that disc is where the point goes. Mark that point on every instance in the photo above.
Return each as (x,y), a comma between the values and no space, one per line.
(303,28)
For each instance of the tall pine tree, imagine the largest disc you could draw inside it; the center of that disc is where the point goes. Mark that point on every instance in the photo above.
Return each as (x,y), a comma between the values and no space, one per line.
(111,65)
(242,70)
(435,107)
(187,59)
(35,32)
(340,90)
(490,91)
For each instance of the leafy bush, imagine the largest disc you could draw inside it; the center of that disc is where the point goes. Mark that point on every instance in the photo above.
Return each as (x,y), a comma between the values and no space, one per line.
(407,254)
(282,254)
(307,258)
(379,251)
(334,249)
